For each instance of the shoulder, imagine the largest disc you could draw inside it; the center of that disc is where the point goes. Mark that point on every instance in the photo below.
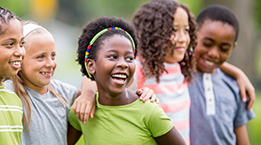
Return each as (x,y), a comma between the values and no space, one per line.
(57,84)
(228,80)
(9,84)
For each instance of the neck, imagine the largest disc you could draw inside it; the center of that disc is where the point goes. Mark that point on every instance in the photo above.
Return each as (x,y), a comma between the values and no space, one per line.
(111,99)
(1,81)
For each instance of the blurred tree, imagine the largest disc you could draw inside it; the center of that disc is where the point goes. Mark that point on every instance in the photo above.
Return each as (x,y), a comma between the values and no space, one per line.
(43,10)
(244,54)
(16,6)
(79,12)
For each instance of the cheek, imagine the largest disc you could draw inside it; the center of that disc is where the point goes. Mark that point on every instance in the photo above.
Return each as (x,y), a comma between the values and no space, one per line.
(172,39)
(224,57)
(55,64)
(132,69)
(188,39)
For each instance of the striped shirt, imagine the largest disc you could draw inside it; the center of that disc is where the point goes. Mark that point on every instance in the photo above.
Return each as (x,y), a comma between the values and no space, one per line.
(11,114)
(173,95)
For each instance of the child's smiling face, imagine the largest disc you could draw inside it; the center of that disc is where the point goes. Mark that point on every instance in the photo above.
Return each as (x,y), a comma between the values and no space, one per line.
(180,38)
(39,62)
(216,41)
(115,65)
(11,48)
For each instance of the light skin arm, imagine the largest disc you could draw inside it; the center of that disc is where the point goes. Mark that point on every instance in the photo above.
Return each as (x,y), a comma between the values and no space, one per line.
(247,90)
(73,135)
(84,105)
(241,135)
(171,138)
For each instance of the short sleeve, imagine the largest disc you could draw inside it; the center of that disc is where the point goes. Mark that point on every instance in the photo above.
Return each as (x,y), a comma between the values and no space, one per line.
(243,115)
(9,85)
(159,123)
(73,120)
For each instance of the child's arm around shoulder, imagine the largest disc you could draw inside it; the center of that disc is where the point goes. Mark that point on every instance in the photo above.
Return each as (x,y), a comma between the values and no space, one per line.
(84,105)
(244,84)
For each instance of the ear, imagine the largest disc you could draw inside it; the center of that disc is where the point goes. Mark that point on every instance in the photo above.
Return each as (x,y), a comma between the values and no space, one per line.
(235,44)
(91,66)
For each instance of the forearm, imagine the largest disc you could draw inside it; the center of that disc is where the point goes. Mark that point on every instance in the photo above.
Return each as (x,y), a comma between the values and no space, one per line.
(231,70)
(88,87)
(241,135)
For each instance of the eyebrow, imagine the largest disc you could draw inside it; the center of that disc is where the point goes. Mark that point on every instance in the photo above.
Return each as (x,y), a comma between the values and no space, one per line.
(115,51)
(210,39)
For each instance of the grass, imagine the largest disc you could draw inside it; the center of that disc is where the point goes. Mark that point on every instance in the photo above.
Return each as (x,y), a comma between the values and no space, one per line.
(254,125)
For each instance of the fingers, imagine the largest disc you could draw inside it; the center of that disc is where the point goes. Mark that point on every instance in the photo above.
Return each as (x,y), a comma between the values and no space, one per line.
(243,94)
(146,93)
(85,114)
(82,111)
(92,111)
(252,97)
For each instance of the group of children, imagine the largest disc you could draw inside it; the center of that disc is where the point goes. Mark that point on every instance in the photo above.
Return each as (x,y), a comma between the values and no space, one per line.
(207,99)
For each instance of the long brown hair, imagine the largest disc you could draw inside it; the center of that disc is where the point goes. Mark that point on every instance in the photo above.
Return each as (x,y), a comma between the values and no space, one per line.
(153,23)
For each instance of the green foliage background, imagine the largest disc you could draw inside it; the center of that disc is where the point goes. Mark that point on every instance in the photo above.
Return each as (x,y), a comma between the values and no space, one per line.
(79,12)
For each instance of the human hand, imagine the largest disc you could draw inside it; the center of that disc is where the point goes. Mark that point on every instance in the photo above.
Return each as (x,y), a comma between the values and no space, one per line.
(247,90)
(84,107)
(146,93)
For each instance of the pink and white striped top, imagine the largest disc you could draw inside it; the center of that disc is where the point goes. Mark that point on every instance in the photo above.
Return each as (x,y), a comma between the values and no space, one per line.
(173,94)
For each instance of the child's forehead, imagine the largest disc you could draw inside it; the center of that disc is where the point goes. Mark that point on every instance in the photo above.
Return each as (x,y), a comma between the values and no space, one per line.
(12,27)
(217,30)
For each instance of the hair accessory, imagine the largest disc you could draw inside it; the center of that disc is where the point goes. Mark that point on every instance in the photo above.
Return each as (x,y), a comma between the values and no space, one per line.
(97,36)
(27,28)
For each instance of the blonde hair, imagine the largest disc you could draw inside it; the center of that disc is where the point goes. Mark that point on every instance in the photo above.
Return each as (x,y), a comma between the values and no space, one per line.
(19,85)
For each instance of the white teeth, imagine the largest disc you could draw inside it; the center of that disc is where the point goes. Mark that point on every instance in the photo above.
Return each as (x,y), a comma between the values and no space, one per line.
(16,63)
(209,63)
(119,76)
(45,73)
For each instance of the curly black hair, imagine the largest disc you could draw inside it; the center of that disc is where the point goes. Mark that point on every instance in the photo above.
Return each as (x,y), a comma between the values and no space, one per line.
(6,16)
(218,13)
(154,23)
(94,27)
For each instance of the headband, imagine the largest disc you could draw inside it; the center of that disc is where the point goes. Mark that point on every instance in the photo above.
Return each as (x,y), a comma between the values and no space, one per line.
(97,36)
(27,28)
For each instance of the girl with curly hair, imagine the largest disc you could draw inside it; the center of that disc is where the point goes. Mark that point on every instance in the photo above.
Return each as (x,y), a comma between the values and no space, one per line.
(166,34)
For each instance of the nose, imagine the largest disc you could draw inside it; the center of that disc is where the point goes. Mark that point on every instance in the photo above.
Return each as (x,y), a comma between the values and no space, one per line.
(122,63)
(181,37)
(19,51)
(213,53)
(50,62)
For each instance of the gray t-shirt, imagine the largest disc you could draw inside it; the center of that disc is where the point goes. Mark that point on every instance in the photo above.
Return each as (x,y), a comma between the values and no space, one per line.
(49,116)
(230,111)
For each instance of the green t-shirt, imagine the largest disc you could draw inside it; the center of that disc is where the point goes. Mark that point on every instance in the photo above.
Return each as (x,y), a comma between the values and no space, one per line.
(132,124)
(11,115)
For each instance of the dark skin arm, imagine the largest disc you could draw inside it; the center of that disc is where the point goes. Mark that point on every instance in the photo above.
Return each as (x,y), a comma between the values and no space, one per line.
(171,138)
(73,135)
